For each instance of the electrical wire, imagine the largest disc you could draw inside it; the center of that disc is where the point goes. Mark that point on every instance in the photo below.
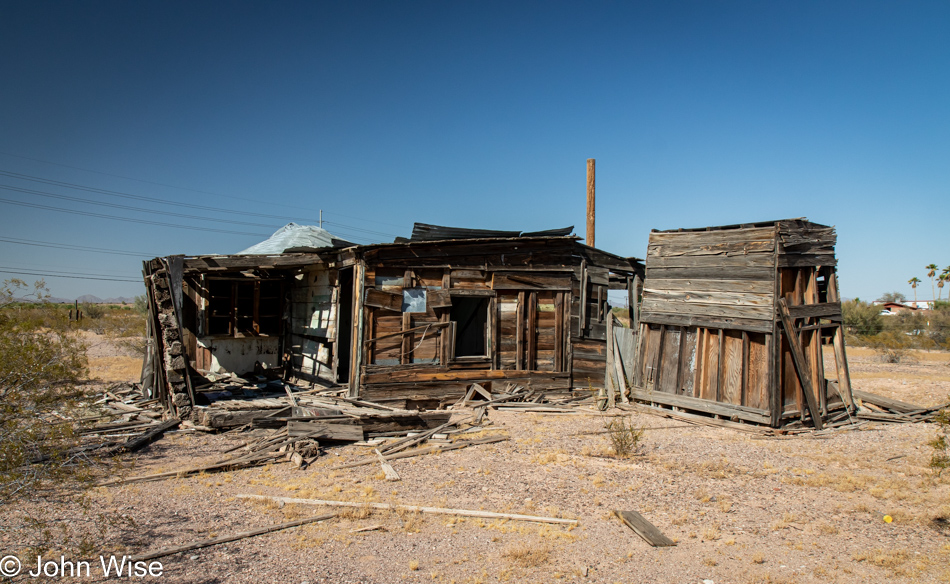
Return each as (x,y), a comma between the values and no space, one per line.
(129,219)
(35,243)
(120,193)
(129,207)
(71,275)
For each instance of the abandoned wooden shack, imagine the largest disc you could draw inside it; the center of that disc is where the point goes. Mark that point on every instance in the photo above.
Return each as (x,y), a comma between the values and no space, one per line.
(733,322)
(413,323)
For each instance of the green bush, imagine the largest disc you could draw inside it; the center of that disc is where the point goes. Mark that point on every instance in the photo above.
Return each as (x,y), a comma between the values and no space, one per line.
(40,366)
(861,319)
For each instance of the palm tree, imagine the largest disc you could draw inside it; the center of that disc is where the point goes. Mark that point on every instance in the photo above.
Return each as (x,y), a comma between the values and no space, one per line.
(944,277)
(914,282)
(931,270)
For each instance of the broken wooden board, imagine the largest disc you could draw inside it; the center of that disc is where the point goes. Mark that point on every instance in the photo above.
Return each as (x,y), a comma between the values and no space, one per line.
(644,529)
(228,538)
(325,430)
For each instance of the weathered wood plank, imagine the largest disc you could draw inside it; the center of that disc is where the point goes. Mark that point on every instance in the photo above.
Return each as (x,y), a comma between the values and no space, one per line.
(706,297)
(711,286)
(705,309)
(644,529)
(530,281)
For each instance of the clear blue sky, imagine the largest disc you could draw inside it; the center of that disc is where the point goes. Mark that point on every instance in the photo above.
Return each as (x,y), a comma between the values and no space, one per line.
(476,114)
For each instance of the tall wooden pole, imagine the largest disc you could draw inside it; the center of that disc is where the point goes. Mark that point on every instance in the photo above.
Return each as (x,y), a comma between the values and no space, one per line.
(590,202)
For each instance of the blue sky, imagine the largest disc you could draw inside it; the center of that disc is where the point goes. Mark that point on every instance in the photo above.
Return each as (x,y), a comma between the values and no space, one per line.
(475,114)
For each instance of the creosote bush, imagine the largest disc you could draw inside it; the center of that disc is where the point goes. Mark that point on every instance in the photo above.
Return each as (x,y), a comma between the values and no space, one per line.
(40,366)
(940,458)
(625,437)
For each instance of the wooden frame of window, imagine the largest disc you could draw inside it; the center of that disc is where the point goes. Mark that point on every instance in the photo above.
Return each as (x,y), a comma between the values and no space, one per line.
(240,308)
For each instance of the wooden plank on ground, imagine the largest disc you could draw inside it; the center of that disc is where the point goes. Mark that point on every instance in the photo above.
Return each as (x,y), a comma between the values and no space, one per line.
(227,538)
(644,529)
(416,509)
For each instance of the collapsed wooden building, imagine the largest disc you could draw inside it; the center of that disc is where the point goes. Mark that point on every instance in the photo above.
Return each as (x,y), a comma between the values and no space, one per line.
(413,323)
(733,320)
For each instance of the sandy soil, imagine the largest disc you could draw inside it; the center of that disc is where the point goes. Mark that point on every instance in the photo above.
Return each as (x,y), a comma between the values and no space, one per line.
(741,507)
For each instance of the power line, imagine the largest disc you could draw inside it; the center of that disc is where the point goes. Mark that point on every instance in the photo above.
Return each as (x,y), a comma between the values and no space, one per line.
(130,207)
(192,190)
(75,276)
(128,219)
(122,194)
(34,243)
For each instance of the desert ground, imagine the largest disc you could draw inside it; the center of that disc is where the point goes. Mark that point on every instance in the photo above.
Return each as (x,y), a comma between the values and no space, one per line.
(741,507)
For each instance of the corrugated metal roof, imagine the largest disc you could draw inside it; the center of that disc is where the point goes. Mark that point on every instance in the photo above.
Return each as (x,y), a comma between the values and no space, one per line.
(426,232)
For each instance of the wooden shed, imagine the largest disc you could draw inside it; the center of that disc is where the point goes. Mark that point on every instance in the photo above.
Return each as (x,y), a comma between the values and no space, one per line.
(734,321)
(415,322)
(452,307)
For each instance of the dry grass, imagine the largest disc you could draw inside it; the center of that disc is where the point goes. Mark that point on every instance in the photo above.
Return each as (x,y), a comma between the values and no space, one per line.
(527,555)
(115,368)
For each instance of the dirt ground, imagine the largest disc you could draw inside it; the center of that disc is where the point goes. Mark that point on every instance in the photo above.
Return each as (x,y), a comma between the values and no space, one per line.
(741,507)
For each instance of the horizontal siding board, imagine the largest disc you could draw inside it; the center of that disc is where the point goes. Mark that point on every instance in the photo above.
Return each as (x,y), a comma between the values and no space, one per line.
(705,285)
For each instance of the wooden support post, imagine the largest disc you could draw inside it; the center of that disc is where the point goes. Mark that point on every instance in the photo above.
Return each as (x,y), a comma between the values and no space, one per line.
(609,384)
(559,331)
(841,358)
(519,332)
(582,320)
(591,207)
(532,356)
(801,365)
(635,303)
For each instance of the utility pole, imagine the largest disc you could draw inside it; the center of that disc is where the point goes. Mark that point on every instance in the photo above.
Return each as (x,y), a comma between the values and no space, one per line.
(321,218)
(590,202)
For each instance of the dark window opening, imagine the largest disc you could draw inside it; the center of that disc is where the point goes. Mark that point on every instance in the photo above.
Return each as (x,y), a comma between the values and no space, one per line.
(344,330)
(238,308)
(471,328)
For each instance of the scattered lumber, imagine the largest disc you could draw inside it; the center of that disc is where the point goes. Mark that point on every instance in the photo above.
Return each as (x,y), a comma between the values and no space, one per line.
(228,538)
(457,445)
(152,435)
(388,470)
(416,509)
(643,528)
(882,409)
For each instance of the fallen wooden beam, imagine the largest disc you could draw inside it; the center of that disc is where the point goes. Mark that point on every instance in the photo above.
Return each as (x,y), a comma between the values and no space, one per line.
(140,442)
(643,528)
(227,538)
(416,509)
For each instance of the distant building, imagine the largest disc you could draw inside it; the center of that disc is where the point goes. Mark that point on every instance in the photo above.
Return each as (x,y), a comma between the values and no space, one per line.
(889,308)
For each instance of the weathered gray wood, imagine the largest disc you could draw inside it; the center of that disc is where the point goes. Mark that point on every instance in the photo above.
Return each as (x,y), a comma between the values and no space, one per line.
(709,249)
(707,297)
(644,528)
(228,538)
(702,405)
(822,310)
(710,286)
(756,260)
(329,431)
(140,442)
(807,261)
(715,236)
(707,310)
(710,272)
(801,365)
(529,281)
(415,509)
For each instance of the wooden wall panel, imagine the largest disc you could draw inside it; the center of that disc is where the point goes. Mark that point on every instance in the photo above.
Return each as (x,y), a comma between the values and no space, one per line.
(709,372)
(688,363)
(732,369)
(757,376)
(669,361)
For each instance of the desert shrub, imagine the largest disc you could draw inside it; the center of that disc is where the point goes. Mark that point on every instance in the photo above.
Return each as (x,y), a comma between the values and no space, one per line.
(625,436)
(940,458)
(939,325)
(892,346)
(40,365)
(861,320)
(140,305)
(93,311)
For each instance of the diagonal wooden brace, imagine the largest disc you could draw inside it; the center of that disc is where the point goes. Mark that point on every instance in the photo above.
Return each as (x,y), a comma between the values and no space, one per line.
(801,365)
